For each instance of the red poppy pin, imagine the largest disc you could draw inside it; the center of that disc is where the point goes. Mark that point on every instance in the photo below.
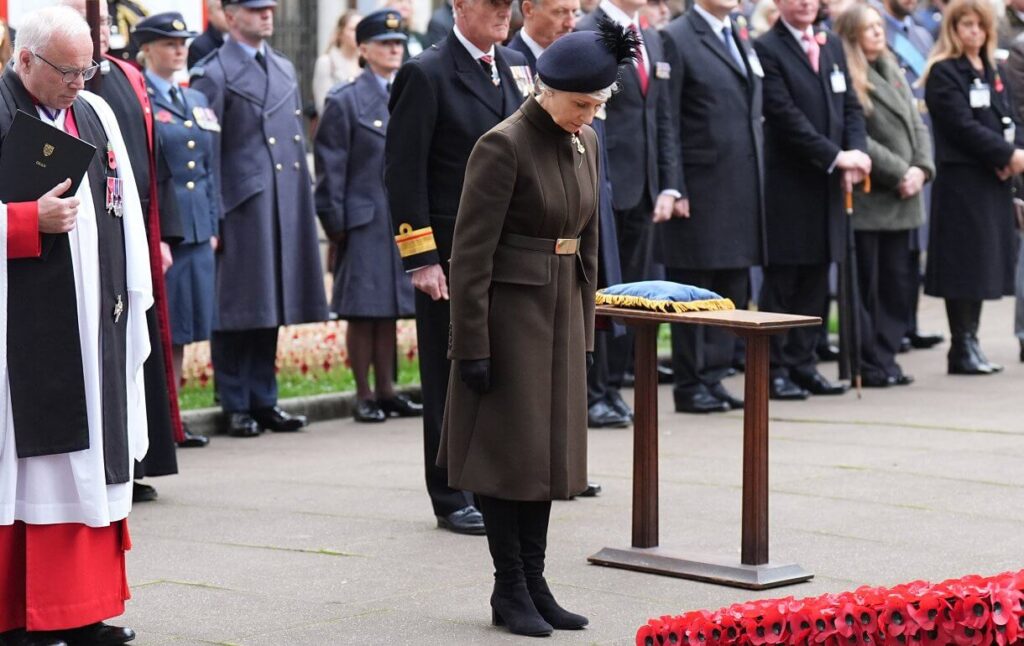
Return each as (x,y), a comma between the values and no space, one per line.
(821,37)
(999,83)
(741,22)
(163,116)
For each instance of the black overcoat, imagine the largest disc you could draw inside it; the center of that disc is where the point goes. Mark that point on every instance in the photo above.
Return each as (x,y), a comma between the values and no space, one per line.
(971,239)
(806,126)
(720,145)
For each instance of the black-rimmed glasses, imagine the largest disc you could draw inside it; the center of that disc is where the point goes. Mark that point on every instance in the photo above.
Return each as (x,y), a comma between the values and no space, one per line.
(69,76)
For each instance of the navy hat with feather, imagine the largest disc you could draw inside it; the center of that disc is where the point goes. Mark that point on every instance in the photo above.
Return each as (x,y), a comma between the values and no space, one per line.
(588,61)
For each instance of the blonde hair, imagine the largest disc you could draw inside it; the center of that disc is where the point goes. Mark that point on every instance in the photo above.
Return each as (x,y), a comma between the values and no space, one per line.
(949,45)
(339,29)
(849,26)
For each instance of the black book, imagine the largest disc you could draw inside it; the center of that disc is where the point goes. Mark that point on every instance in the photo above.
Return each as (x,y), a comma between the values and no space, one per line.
(36,156)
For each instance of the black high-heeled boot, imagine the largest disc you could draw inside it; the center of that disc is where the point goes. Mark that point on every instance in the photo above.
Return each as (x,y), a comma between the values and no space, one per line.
(975,346)
(961,359)
(511,604)
(533,542)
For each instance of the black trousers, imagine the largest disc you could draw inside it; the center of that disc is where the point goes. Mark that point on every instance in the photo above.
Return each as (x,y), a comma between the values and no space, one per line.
(597,376)
(432,321)
(243,367)
(635,232)
(703,355)
(795,289)
(886,277)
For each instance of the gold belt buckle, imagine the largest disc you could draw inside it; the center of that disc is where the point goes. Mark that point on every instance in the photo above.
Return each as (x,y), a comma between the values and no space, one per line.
(566,246)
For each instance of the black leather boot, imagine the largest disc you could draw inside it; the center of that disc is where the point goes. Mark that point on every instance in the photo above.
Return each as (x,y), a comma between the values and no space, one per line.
(533,543)
(961,359)
(979,356)
(510,602)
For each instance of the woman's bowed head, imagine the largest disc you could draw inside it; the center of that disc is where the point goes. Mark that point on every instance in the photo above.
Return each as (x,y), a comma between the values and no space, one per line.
(577,73)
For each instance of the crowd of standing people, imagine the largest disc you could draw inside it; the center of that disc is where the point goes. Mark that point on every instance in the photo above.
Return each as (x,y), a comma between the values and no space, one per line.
(486,181)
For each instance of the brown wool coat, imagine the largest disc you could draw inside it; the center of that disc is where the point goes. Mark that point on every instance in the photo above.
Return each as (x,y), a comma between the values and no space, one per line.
(531,312)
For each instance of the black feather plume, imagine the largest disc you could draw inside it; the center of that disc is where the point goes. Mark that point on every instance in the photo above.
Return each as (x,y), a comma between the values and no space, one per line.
(624,43)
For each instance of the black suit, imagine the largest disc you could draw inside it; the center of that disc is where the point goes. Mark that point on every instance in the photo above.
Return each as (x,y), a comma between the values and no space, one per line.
(721,155)
(203,44)
(441,102)
(807,125)
(640,167)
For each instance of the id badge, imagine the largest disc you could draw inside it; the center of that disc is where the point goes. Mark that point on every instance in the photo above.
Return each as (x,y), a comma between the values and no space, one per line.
(838,80)
(662,70)
(981,96)
(755,64)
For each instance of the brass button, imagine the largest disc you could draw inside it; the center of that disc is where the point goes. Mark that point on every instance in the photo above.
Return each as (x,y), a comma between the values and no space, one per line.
(298,113)
(191,165)
(191,144)
(188,124)
(190,185)
(272,141)
(279,167)
(297,165)
(378,123)
(298,138)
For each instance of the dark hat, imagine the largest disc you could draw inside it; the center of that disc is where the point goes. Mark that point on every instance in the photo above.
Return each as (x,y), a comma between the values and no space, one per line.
(588,61)
(385,24)
(249,4)
(161,25)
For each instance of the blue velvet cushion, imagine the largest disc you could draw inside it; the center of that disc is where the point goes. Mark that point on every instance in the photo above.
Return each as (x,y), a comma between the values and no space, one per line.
(661,290)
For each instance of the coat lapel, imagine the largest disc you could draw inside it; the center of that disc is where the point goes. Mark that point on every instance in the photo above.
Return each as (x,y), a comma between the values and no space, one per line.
(472,75)
(512,96)
(244,75)
(372,103)
(883,93)
(280,87)
(712,42)
(790,42)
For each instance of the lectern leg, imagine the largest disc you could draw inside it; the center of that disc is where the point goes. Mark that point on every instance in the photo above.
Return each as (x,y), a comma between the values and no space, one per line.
(754,546)
(645,437)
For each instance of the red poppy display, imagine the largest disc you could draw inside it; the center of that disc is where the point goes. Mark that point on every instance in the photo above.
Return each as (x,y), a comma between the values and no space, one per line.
(970,611)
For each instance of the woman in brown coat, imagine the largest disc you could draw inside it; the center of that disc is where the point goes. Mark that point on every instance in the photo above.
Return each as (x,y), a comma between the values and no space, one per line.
(523,274)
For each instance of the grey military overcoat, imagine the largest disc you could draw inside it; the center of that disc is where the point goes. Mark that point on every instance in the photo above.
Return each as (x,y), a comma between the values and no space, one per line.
(527,309)
(268,268)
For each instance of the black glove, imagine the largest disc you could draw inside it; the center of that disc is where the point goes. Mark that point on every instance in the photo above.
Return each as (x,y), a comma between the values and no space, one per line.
(590,361)
(476,374)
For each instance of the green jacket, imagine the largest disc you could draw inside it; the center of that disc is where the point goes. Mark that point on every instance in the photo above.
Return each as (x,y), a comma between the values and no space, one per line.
(897,140)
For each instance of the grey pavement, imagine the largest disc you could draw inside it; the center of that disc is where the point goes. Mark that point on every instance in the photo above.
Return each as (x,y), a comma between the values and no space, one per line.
(327,537)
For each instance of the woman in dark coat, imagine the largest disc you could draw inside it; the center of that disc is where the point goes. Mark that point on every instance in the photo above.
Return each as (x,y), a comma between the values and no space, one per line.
(885,220)
(523,276)
(971,243)
(185,127)
(371,290)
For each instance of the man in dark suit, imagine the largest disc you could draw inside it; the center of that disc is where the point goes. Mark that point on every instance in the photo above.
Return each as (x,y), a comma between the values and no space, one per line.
(642,169)
(441,102)
(814,151)
(213,37)
(717,234)
(441,23)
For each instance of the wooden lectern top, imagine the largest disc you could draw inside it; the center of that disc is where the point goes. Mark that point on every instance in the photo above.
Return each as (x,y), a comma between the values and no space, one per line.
(734,319)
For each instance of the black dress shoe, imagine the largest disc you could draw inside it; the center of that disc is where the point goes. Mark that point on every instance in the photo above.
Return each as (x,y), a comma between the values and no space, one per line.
(876,380)
(20,637)
(700,401)
(924,341)
(719,391)
(1022,351)
(827,352)
(143,492)
(242,425)
(618,404)
(401,406)
(628,380)
(602,415)
(192,440)
(275,419)
(464,521)
(783,388)
(591,491)
(902,379)
(98,634)
(665,374)
(367,410)
(816,384)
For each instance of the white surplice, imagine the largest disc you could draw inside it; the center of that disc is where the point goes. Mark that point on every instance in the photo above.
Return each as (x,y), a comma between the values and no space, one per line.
(71,487)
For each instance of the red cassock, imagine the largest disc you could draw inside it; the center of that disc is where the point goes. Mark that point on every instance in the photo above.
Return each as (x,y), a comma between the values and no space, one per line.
(55,577)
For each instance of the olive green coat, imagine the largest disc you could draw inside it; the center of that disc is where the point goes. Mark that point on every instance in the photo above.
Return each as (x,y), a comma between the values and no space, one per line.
(531,312)
(897,140)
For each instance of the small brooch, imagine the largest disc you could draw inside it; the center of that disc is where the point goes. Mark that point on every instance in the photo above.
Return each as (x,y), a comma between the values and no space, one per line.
(575,140)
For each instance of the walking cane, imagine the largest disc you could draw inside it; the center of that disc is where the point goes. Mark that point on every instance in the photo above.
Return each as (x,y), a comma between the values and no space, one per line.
(849,303)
